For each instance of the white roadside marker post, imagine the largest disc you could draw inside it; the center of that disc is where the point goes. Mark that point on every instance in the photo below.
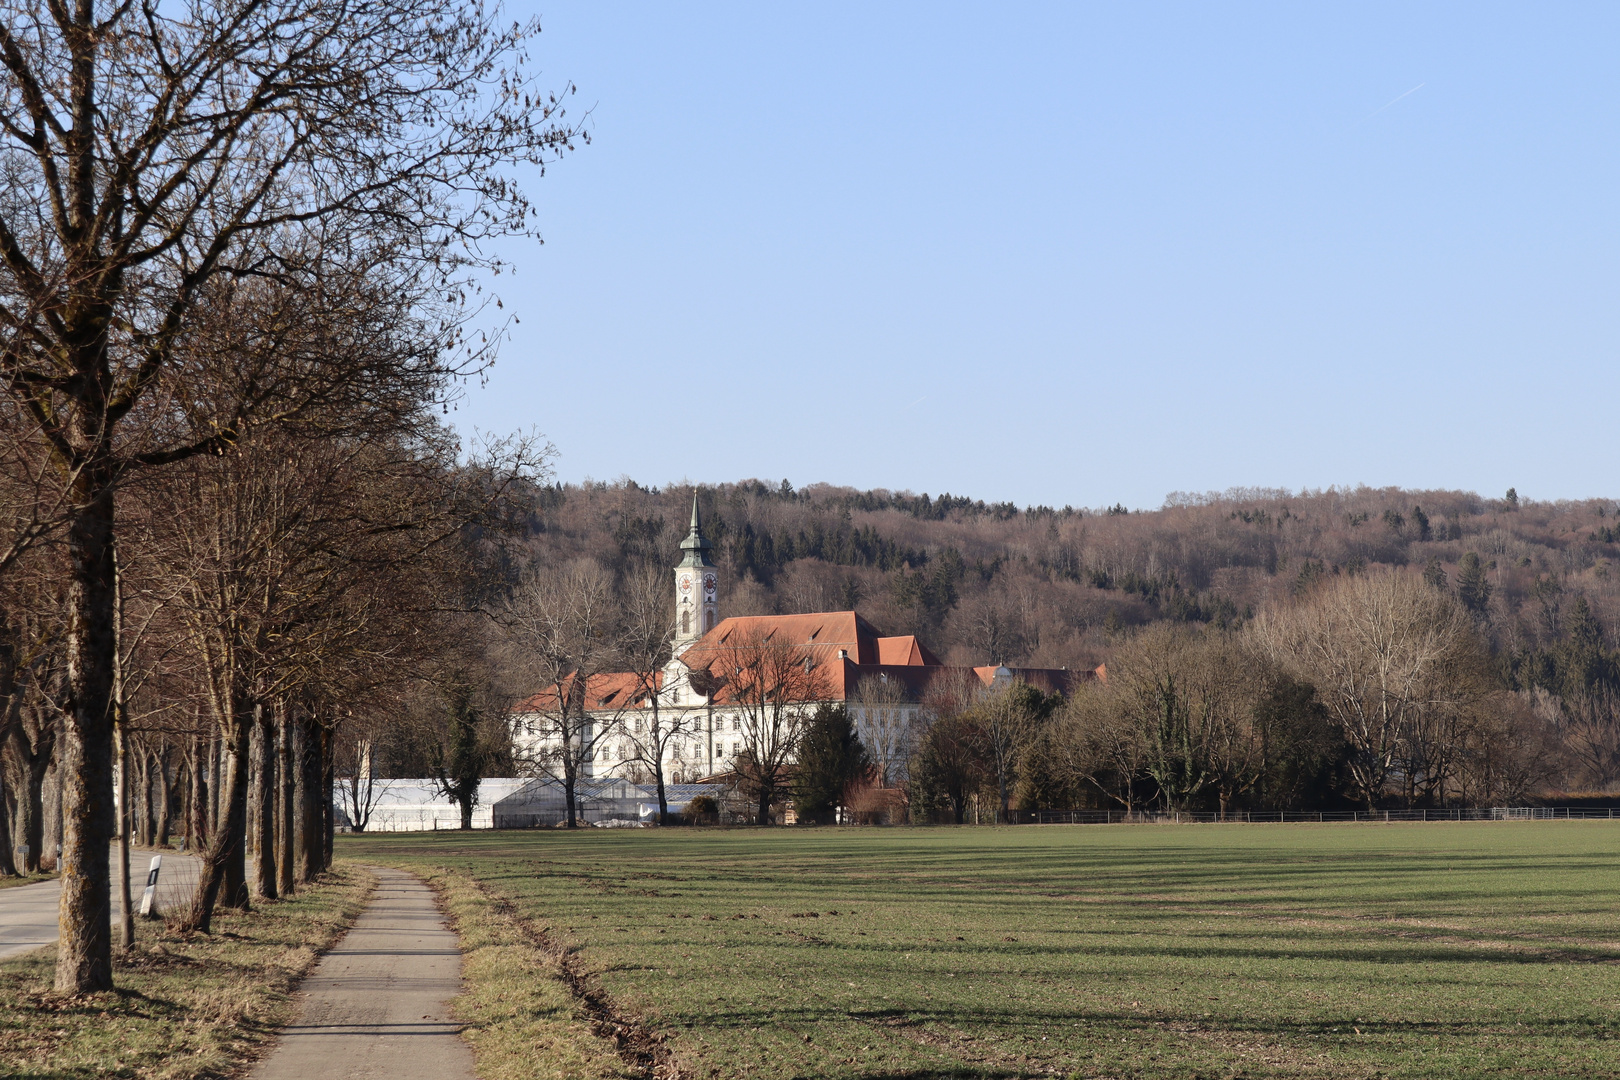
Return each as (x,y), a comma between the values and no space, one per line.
(149,897)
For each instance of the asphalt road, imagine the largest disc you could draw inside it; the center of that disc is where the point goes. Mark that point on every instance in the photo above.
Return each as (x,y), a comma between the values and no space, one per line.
(28,912)
(378,1005)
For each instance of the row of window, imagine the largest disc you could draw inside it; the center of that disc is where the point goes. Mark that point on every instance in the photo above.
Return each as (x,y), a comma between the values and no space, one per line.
(886,717)
(676,752)
(642,724)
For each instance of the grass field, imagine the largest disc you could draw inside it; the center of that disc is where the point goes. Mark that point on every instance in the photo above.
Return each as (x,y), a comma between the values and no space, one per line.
(1441,950)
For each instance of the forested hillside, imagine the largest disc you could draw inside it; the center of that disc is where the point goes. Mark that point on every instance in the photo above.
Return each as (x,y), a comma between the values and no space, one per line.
(1485,626)
(1054,587)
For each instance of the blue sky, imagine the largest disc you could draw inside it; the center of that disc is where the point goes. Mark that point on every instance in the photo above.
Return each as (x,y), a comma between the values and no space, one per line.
(1077,254)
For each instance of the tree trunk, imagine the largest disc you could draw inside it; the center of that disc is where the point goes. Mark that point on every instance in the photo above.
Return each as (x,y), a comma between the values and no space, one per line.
(8,723)
(51,850)
(8,866)
(234,763)
(145,816)
(216,760)
(84,951)
(262,805)
(165,811)
(328,775)
(569,779)
(658,760)
(30,825)
(197,822)
(766,793)
(299,737)
(286,796)
(222,868)
(308,825)
(255,791)
(126,819)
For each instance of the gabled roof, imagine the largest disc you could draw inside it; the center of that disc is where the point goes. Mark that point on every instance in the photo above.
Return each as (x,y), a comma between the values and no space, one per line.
(904,650)
(609,691)
(823,634)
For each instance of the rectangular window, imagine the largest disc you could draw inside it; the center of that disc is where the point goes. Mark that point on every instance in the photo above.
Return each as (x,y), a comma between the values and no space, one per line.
(736,723)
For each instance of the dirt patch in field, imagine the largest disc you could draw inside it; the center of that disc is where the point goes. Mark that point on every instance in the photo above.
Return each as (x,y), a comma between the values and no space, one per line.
(968,1048)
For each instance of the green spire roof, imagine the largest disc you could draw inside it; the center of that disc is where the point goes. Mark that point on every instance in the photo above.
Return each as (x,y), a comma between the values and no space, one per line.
(696,545)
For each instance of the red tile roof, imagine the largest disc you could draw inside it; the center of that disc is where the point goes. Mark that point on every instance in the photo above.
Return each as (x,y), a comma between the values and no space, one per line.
(610,690)
(822,636)
(826,631)
(819,638)
(904,650)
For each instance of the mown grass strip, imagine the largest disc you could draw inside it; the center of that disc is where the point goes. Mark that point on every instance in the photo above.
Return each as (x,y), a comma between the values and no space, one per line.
(524,1016)
(186,1005)
(16,880)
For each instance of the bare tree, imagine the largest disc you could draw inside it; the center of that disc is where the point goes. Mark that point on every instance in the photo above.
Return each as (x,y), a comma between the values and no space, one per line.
(1100,744)
(1590,723)
(1225,682)
(1512,754)
(1005,717)
(160,160)
(359,788)
(890,727)
(1382,649)
(560,628)
(772,687)
(646,629)
(1153,686)
(304,571)
(992,626)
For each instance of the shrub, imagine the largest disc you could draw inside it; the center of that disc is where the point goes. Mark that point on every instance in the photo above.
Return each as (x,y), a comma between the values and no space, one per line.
(702,810)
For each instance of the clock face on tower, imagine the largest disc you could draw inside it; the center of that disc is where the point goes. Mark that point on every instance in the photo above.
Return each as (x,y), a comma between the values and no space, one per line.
(709,582)
(686,583)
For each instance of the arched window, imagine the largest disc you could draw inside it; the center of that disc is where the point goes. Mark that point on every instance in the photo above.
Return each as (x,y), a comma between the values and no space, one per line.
(686,622)
(708,621)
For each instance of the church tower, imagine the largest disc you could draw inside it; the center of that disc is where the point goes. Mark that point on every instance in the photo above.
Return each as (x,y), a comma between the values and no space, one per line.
(697,586)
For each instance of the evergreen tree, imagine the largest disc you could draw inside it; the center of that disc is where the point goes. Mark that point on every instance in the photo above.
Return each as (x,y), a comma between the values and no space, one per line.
(1304,751)
(831,756)
(950,766)
(1435,574)
(458,773)
(1421,520)
(1582,661)
(1472,587)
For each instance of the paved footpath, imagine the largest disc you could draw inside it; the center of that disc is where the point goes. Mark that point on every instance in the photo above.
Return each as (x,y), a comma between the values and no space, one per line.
(378,1005)
(28,913)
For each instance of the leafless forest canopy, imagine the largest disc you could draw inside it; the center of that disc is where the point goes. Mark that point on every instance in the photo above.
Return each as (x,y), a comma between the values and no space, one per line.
(1044,587)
